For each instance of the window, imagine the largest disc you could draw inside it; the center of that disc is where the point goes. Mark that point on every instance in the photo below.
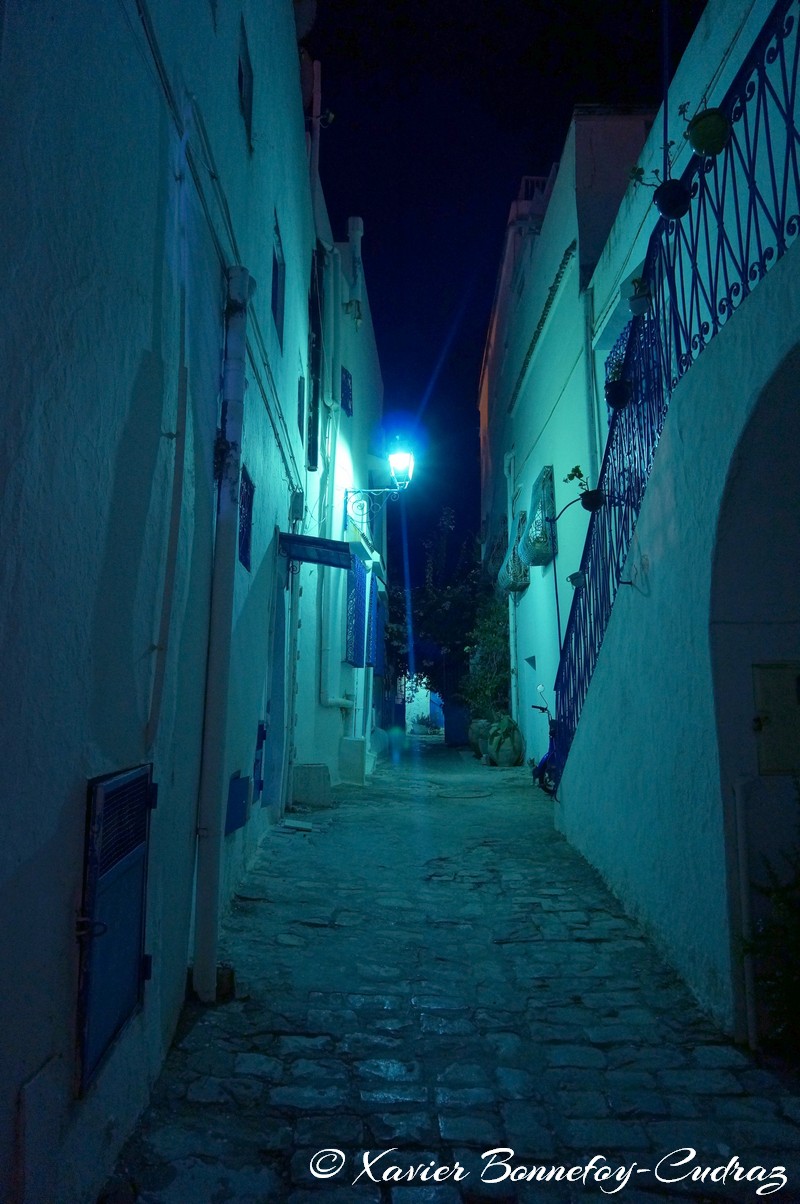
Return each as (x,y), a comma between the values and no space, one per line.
(347,392)
(301,405)
(246,491)
(356,613)
(278,281)
(246,85)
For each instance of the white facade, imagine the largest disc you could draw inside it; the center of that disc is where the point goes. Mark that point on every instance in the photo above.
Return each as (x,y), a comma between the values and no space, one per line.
(159,235)
(667,789)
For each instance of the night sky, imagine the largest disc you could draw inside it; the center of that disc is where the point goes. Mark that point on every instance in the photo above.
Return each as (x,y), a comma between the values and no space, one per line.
(439,110)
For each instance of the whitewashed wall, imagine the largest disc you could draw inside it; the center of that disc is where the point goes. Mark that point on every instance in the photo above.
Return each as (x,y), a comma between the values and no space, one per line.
(113,254)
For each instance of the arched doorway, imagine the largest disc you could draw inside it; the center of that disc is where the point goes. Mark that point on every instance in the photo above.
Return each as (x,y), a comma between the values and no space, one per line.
(755,649)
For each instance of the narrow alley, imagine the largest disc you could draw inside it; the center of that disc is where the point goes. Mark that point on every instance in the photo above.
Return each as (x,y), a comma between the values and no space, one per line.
(426,972)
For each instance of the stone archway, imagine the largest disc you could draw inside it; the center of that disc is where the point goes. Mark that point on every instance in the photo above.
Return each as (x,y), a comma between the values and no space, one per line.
(755,641)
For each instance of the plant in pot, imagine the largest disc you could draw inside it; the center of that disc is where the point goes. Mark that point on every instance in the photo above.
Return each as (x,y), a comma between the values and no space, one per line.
(506,746)
(671,197)
(591,499)
(708,132)
(639,300)
(617,391)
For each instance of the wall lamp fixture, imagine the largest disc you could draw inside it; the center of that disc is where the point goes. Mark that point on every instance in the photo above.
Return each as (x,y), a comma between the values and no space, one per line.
(364,505)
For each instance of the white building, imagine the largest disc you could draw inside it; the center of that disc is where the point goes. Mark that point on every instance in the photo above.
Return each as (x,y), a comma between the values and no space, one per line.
(178,324)
(674,654)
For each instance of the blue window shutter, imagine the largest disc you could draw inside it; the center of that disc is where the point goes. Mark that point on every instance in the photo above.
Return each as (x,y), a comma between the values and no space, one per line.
(372,630)
(347,392)
(238,799)
(246,493)
(356,612)
(111,926)
(380,639)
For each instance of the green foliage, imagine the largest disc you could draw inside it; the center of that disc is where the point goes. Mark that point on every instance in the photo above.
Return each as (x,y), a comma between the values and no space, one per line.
(426,721)
(443,610)
(576,474)
(775,949)
(485,687)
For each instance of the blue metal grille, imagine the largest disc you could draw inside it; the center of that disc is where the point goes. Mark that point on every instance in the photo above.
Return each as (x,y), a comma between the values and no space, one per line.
(744,215)
(111,926)
(246,492)
(372,627)
(539,543)
(380,639)
(124,822)
(347,392)
(356,612)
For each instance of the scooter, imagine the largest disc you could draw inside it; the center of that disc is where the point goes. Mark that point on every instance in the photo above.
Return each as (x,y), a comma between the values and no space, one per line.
(544,771)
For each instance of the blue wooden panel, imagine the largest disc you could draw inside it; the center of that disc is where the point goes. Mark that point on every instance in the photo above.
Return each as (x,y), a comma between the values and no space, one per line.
(238,798)
(111,927)
(372,630)
(356,613)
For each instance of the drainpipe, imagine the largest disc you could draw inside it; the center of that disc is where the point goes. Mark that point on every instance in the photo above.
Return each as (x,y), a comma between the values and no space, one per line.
(213,793)
(509,463)
(325,587)
(592,431)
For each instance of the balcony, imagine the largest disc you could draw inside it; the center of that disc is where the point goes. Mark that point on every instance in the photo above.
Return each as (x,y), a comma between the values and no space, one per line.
(744,215)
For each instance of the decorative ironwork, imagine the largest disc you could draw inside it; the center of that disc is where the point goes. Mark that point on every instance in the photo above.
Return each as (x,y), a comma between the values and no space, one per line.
(745,213)
(496,549)
(363,506)
(356,613)
(539,542)
(372,622)
(514,576)
(347,392)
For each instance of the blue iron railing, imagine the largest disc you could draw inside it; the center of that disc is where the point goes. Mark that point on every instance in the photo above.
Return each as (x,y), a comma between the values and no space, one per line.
(745,213)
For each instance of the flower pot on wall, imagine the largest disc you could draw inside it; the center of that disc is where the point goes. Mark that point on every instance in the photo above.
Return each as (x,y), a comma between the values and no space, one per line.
(593,499)
(617,394)
(672,199)
(708,132)
(639,304)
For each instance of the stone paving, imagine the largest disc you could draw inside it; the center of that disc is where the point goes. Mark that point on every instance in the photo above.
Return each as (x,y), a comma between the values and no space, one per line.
(433,971)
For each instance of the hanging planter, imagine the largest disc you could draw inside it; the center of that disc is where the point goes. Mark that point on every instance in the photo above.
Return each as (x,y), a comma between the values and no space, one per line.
(672,199)
(590,499)
(639,300)
(593,499)
(617,394)
(708,132)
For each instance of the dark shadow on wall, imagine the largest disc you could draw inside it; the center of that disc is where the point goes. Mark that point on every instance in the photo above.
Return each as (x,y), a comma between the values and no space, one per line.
(116,711)
(755,621)
(117,715)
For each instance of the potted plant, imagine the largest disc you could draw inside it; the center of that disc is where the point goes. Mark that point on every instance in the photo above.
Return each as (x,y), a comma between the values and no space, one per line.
(671,198)
(591,499)
(617,391)
(506,746)
(639,300)
(707,132)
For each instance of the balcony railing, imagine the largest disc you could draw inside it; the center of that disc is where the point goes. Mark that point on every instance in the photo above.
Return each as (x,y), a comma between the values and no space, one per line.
(745,213)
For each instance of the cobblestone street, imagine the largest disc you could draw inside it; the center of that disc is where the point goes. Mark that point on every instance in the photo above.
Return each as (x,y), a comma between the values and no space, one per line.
(432,970)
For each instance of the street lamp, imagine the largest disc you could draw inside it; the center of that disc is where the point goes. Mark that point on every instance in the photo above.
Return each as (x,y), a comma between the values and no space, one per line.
(364,505)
